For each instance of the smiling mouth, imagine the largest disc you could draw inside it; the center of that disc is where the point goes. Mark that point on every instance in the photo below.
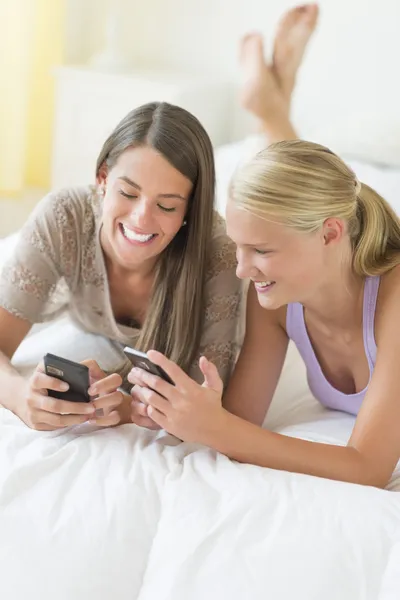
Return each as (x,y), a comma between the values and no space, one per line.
(263,286)
(139,238)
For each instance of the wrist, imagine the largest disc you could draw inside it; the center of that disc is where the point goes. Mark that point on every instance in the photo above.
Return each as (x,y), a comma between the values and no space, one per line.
(237,438)
(219,432)
(15,394)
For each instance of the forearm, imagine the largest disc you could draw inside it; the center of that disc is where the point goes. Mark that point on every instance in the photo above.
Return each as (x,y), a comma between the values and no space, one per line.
(247,443)
(12,384)
(253,412)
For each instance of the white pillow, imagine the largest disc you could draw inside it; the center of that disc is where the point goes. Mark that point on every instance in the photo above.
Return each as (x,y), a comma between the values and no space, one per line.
(369,138)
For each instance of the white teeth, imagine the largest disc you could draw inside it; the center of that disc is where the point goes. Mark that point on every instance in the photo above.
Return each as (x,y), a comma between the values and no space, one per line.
(263,283)
(137,237)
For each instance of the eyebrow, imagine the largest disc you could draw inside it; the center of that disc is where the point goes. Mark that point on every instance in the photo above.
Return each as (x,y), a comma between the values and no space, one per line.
(135,185)
(257,245)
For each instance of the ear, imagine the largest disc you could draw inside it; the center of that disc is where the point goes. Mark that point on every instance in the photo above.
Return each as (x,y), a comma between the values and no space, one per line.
(101,177)
(333,231)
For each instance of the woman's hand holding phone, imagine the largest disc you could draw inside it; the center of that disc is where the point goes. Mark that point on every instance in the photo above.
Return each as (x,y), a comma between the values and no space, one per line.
(41,411)
(186,409)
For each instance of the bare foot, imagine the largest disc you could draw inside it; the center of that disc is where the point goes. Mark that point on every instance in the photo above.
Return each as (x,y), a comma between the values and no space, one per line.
(293,34)
(261,93)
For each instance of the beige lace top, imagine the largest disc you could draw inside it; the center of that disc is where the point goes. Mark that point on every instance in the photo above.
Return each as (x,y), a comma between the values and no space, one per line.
(58,264)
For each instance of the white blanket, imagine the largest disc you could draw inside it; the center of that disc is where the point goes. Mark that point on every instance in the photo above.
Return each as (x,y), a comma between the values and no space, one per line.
(129,514)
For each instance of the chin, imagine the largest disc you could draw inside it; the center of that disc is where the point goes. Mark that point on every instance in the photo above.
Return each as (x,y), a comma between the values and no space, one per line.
(270,303)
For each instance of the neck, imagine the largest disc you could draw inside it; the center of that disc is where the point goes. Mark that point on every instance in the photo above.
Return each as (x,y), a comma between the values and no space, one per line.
(338,301)
(142,272)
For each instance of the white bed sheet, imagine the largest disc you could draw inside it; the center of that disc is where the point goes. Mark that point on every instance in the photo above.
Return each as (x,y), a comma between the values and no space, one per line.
(131,514)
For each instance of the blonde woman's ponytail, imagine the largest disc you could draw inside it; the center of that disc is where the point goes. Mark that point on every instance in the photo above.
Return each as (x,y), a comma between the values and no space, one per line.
(377,244)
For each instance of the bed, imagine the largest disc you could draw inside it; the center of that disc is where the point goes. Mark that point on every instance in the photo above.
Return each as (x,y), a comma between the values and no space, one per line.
(131,514)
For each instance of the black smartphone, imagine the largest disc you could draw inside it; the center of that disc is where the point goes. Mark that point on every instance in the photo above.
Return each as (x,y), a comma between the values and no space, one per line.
(75,374)
(142,361)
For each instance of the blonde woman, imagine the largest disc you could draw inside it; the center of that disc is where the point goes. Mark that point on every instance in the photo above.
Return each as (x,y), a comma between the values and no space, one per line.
(322,253)
(140,258)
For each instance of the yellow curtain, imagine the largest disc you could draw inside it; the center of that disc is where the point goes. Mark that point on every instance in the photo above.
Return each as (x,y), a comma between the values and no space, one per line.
(31,46)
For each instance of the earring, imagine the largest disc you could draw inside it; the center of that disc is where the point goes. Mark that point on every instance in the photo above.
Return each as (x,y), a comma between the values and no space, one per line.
(102,190)
(184,223)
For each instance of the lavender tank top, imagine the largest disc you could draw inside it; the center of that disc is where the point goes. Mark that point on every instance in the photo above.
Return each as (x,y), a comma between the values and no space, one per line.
(319,385)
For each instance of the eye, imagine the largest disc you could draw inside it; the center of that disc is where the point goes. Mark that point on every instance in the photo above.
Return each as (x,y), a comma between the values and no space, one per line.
(166,209)
(130,196)
(262,252)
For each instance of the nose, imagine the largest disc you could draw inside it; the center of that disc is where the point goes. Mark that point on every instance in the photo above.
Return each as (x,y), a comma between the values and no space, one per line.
(141,212)
(244,268)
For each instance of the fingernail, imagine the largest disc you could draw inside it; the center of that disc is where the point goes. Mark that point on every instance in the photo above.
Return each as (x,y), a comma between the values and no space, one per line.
(64,387)
(92,390)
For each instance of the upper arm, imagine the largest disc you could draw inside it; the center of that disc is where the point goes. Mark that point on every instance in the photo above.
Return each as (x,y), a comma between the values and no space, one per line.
(12,331)
(260,363)
(376,433)
(29,276)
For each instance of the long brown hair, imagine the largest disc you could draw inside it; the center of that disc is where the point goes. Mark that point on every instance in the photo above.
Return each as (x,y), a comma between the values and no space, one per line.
(175,316)
(302,184)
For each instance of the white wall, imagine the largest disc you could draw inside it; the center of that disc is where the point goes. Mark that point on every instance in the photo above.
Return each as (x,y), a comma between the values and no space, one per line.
(351,67)
(182,34)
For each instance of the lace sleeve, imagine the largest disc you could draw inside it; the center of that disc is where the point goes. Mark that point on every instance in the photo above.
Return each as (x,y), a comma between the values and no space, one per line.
(221,336)
(30,276)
